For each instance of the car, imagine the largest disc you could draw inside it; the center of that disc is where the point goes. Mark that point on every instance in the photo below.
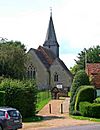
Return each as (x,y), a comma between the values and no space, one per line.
(10,119)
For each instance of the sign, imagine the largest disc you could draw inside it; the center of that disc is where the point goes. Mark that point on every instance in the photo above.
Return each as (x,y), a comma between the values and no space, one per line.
(59,86)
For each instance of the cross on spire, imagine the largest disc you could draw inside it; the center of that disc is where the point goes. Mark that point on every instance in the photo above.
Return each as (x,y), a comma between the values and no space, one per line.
(50,11)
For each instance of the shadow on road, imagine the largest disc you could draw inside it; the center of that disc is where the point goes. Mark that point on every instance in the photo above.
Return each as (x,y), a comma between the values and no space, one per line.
(52,117)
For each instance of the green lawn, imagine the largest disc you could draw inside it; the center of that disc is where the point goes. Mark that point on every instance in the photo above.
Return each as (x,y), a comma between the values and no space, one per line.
(43,98)
(86,118)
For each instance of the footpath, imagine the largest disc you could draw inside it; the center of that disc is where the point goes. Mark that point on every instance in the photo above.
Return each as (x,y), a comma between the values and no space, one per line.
(55,115)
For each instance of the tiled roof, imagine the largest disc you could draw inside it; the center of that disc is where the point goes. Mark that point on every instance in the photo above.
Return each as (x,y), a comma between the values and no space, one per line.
(47,54)
(93,69)
(42,58)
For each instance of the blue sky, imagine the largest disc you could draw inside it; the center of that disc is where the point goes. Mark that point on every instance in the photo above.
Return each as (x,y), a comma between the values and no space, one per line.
(77,24)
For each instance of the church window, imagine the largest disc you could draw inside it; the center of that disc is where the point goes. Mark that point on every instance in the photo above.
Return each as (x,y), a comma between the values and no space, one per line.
(56,77)
(31,72)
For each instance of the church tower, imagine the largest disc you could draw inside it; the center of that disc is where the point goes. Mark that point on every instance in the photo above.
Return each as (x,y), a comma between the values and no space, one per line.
(51,40)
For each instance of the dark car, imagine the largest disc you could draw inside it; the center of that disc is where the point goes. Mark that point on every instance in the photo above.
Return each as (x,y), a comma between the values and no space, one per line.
(10,119)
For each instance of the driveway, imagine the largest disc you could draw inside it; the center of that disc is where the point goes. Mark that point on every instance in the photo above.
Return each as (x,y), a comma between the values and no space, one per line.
(55,119)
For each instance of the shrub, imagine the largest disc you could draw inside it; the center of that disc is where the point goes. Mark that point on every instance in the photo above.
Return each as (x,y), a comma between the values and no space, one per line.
(97,100)
(21,95)
(80,79)
(89,110)
(85,93)
(2,98)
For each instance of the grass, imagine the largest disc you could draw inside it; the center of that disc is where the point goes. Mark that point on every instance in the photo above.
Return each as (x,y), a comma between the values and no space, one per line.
(43,98)
(69,94)
(86,118)
(42,103)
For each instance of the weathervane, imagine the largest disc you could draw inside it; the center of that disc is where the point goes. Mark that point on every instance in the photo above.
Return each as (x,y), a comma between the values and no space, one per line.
(50,7)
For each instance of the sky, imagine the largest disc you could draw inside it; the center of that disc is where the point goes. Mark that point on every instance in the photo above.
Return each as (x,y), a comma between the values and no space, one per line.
(76,22)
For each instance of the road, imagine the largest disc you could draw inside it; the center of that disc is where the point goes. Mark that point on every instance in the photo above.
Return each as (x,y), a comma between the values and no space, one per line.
(83,127)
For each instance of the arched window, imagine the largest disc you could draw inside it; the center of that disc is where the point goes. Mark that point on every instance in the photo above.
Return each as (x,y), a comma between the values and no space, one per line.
(56,77)
(31,72)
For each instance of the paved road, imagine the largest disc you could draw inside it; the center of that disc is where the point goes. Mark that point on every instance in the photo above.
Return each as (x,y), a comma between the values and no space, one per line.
(84,127)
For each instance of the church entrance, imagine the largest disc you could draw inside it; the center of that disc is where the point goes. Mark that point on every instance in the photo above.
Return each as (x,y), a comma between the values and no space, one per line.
(54,93)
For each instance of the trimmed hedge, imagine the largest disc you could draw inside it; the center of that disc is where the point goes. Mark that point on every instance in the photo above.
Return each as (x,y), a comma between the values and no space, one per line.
(89,109)
(80,79)
(21,95)
(97,100)
(85,93)
(2,98)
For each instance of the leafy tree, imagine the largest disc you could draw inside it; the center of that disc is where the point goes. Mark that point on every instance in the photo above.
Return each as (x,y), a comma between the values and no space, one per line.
(12,59)
(91,55)
(74,69)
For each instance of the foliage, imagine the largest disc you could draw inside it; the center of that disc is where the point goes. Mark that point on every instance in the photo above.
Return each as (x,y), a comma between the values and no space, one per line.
(91,55)
(2,98)
(89,109)
(97,100)
(43,97)
(80,79)
(21,95)
(12,59)
(74,69)
(85,93)
(1,78)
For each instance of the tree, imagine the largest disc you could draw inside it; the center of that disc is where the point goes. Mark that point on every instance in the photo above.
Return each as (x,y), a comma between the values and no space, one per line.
(91,55)
(12,59)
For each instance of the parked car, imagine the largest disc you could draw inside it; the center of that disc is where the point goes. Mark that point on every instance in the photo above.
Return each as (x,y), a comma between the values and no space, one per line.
(10,119)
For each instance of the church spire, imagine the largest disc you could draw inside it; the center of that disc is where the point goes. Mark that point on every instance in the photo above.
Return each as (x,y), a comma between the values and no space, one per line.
(51,40)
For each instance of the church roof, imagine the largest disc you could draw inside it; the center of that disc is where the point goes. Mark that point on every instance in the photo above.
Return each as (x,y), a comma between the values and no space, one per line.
(51,35)
(46,54)
(47,58)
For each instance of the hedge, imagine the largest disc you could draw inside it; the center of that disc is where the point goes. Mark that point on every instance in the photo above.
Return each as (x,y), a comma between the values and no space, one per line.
(85,93)
(21,95)
(80,79)
(97,100)
(2,98)
(89,109)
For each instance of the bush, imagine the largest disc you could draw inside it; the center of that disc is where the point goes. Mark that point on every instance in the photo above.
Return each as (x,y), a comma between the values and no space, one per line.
(85,93)
(2,98)
(21,95)
(80,79)
(97,100)
(89,110)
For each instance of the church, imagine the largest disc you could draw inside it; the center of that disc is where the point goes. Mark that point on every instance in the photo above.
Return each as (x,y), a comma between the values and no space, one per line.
(46,67)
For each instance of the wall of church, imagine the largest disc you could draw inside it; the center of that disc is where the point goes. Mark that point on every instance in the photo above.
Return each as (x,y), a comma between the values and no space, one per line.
(42,76)
(63,77)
